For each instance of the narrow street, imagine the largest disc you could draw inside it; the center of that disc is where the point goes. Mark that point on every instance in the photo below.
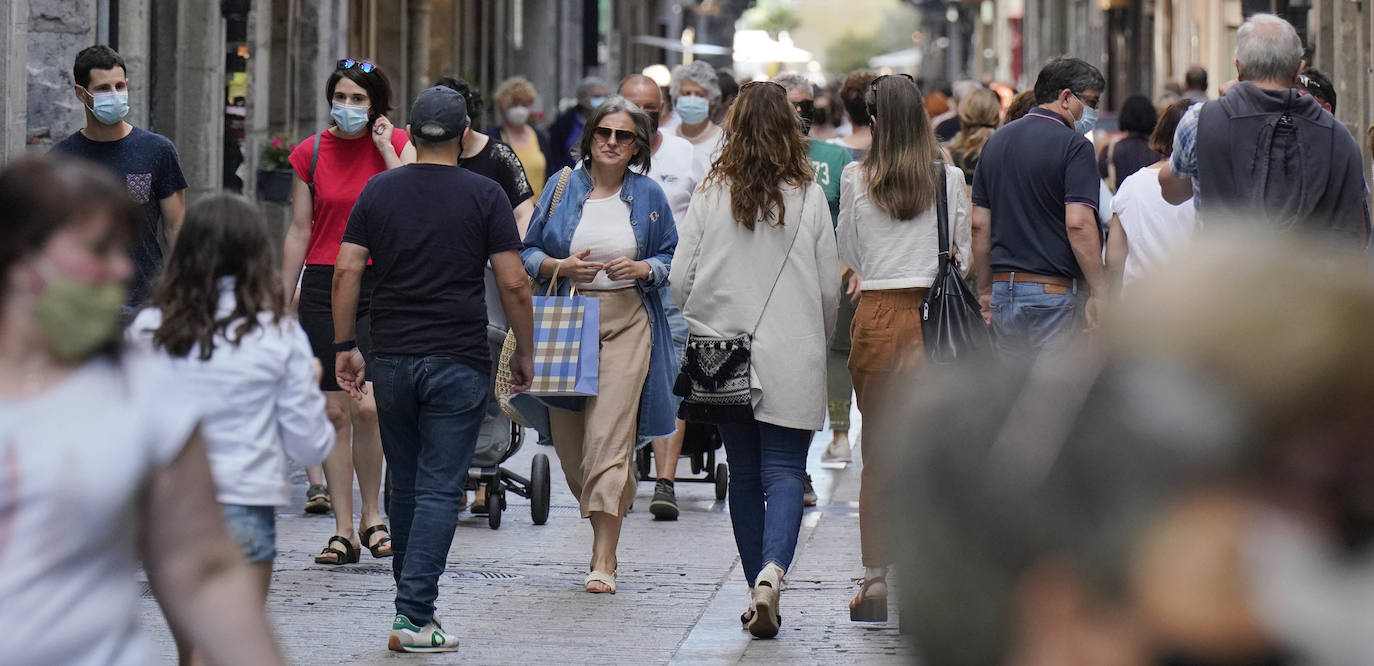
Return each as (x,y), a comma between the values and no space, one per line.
(514,595)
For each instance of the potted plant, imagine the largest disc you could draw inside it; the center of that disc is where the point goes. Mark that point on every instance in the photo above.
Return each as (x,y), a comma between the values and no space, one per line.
(274,170)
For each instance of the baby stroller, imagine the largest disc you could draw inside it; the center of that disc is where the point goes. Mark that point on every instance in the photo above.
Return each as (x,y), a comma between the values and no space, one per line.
(499,439)
(700,445)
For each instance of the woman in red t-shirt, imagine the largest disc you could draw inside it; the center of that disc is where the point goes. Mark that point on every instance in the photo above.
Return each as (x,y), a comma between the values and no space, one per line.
(359,144)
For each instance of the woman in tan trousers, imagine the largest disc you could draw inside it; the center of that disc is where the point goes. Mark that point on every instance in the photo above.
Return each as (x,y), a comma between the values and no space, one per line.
(611,232)
(887,234)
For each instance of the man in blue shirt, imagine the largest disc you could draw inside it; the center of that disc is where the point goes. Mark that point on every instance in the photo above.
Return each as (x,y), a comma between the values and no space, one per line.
(1036,243)
(147,162)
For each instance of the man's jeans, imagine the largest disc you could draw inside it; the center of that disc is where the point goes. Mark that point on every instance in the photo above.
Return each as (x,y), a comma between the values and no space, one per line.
(767,468)
(430,409)
(1027,321)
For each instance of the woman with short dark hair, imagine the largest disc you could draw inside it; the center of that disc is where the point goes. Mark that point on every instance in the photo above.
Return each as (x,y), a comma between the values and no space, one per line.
(612,235)
(758,259)
(104,464)
(330,171)
(1131,152)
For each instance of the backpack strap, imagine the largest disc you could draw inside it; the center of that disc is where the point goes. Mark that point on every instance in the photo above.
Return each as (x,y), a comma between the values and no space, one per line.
(314,160)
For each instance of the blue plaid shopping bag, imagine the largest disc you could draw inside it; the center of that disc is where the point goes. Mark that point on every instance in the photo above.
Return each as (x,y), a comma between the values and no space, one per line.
(566,344)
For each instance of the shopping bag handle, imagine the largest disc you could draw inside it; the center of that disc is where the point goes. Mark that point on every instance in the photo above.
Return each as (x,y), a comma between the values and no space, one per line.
(553,283)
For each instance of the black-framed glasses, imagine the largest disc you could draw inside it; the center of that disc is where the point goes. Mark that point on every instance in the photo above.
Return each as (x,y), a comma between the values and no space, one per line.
(609,134)
(349,63)
(873,90)
(760,83)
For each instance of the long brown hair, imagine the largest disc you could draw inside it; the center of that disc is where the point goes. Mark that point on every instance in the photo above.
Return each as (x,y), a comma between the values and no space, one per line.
(979,115)
(223,236)
(901,166)
(764,148)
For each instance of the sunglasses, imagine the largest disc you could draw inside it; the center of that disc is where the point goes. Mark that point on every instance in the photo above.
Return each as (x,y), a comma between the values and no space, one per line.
(1310,84)
(349,63)
(873,89)
(751,84)
(609,134)
(804,107)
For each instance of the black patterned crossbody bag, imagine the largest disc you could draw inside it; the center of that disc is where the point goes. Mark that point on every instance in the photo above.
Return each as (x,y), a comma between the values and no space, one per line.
(714,381)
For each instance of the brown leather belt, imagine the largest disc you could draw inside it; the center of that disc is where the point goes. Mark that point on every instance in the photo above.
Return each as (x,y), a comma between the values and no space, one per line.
(1055,280)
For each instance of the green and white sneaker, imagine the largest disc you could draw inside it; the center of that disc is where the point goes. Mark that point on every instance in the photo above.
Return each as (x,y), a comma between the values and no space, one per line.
(406,637)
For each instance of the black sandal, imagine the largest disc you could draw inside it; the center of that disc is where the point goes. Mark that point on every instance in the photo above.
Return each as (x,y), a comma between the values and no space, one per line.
(748,616)
(385,541)
(332,555)
(869,609)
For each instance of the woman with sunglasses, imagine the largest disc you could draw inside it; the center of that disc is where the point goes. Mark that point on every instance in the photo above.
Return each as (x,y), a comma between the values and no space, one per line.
(611,233)
(758,258)
(887,234)
(331,169)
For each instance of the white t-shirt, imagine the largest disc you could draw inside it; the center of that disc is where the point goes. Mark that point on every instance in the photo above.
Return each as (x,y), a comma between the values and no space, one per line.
(605,229)
(261,403)
(74,462)
(708,149)
(1155,229)
(676,169)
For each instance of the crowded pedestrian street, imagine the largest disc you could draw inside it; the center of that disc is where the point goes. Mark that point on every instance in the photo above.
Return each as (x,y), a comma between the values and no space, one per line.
(945,332)
(514,590)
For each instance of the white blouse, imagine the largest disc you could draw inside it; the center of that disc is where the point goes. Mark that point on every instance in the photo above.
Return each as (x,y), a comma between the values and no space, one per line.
(261,403)
(898,254)
(605,230)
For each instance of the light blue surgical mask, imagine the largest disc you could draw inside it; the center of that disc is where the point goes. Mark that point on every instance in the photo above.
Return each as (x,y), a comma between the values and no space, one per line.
(1088,121)
(109,107)
(349,118)
(692,110)
(595,102)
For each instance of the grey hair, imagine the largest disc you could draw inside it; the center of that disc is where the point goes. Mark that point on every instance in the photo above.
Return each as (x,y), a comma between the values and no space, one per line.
(584,88)
(1268,48)
(1005,467)
(643,132)
(794,81)
(699,72)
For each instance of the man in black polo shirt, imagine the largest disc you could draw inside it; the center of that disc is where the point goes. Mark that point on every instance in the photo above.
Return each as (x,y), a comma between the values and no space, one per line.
(1036,243)
(430,228)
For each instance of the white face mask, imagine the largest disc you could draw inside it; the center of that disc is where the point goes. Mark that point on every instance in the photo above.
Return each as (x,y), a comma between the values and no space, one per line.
(518,115)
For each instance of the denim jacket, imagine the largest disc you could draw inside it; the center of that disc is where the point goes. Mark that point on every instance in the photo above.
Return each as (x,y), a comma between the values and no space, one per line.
(550,236)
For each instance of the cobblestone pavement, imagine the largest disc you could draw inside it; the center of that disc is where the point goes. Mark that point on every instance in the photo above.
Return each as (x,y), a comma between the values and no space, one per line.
(514,595)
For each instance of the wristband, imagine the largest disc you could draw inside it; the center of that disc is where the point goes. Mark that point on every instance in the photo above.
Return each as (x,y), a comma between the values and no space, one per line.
(340,347)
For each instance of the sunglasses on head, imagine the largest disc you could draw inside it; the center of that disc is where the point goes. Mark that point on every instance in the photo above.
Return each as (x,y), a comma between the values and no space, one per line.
(609,134)
(349,63)
(751,84)
(1310,84)
(873,88)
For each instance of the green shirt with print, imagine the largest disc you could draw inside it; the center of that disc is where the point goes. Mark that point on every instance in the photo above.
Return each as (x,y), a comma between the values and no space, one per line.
(828,160)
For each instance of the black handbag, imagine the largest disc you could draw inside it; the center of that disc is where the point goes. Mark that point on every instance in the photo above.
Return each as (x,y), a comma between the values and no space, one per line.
(951,318)
(714,381)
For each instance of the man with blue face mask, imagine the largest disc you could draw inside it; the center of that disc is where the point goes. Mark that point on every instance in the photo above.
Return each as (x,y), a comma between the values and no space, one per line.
(145,161)
(1036,245)
(567,128)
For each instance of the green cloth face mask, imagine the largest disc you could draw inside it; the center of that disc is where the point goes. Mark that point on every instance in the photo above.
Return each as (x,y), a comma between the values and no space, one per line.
(79,318)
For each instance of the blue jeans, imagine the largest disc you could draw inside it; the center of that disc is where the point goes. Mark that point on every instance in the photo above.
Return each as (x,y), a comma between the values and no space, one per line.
(430,409)
(767,472)
(1027,321)
(254,529)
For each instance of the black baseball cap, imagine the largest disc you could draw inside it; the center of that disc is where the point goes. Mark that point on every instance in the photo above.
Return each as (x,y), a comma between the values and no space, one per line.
(439,114)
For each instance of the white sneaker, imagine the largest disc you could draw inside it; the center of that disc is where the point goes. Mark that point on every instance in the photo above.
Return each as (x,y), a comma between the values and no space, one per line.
(406,637)
(837,451)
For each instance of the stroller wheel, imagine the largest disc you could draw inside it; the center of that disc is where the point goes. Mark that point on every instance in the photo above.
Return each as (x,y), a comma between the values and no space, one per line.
(722,481)
(698,463)
(496,502)
(539,489)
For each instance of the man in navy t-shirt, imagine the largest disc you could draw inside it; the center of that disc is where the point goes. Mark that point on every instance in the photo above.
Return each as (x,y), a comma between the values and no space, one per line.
(146,161)
(430,229)
(1036,243)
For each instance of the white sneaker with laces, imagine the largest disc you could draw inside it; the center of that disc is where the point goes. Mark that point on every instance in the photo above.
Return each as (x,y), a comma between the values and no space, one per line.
(837,451)
(406,637)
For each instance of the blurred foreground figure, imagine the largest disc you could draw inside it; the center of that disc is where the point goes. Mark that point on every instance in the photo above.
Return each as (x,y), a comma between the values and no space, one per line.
(101,461)
(1192,491)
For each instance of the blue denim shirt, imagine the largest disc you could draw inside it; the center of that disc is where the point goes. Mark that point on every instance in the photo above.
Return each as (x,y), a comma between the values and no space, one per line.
(656,235)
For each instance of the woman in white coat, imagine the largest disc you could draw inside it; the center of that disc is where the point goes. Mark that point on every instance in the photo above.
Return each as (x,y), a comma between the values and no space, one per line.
(757,256)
